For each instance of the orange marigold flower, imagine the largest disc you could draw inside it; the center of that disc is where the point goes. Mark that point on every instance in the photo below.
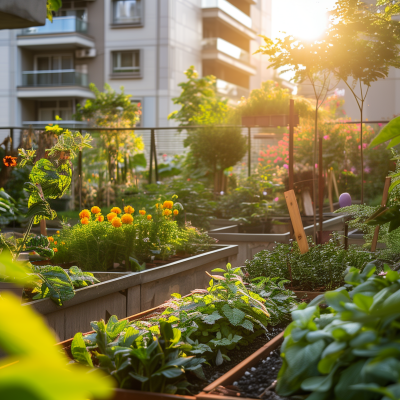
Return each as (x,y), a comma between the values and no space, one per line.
(58,232)
(116,222)
(129,210)
(50,239)
(142,212)
(127,219)
(84,214)
(85,221)
(156,205)
(99,218)
(111,216)
(55,243)
(168,204)
(149,217)
(116,210)
(176,212)
(95,210)
(55,249)
(167,212)
(10,161)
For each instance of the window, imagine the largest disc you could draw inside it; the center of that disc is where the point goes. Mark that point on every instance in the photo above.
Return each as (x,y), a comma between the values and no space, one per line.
(127,12)
(54,63)
(48,109)
(126,62)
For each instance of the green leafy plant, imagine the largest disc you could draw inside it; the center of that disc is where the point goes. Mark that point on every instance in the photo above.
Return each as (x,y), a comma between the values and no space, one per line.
(351,349)
(138,360)
(34,368)
(8,208)
(321,268)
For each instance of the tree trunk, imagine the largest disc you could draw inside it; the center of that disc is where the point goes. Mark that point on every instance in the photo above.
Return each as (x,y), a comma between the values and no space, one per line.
(362,154)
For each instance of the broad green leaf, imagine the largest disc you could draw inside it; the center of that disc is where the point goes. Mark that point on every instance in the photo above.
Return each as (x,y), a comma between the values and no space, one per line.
(79,350)
(388,132)
(363,302)
(210,319)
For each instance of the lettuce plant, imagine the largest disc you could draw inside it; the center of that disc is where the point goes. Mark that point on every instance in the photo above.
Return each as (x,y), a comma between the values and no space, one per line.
(351,350)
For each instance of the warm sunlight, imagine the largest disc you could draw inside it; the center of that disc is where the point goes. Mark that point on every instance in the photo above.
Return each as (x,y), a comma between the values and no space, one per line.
(304,19)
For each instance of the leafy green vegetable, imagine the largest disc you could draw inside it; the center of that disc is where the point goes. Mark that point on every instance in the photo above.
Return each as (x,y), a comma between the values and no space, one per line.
(352,350)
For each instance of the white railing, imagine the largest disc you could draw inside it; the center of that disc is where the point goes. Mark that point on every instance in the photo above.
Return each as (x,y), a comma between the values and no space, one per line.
(229,9)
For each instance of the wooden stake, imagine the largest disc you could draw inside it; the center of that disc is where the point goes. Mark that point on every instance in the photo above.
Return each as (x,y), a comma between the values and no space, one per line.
(383,204)
(296,221)
(330,182)
(335,184)
(43,229)
(291,139)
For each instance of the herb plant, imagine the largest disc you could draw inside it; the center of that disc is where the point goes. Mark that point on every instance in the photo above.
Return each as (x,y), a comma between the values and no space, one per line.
(321,268)
(351,350)
(138,360)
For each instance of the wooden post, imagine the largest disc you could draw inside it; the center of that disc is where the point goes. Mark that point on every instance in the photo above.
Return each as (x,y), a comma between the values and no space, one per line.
(248,151)
(291,134)
(152,137)
(383,204)
(43,230)
(335,184)
(330,182)
(320,189)
(80,179)
(296,221)
(155,157)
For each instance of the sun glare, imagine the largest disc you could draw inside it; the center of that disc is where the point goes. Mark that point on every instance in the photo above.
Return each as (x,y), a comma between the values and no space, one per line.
(304,19)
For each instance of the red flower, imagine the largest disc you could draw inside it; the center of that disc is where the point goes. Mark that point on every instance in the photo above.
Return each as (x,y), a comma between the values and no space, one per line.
(10,161)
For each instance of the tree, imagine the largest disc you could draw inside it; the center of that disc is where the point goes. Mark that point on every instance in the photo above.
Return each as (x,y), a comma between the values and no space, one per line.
(195,93)
(363,44)
(309,62)
(110,109)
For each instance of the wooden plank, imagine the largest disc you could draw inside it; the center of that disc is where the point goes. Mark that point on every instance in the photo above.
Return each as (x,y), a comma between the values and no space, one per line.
(296,221)
(335,185)
(133,300)
(383,204)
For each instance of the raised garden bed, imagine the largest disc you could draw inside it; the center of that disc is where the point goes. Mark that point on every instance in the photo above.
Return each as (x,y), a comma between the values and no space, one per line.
(251,243)
(132,292)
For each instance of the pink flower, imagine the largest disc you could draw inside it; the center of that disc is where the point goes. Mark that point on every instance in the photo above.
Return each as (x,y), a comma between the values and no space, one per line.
(276,198)
(316,165)
(286,166)
(326,137)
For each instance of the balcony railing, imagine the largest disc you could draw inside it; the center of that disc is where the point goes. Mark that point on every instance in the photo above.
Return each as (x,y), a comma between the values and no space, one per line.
(59,25)
(231,90)
(229,9)
(65,77)
(226,47)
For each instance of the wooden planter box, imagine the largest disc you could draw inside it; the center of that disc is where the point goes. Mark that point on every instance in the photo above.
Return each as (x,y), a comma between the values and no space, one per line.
(9,287)
(133,292)
(251,243)
(269,120)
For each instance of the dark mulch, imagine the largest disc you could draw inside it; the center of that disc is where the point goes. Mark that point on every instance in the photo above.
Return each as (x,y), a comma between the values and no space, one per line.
(237,355)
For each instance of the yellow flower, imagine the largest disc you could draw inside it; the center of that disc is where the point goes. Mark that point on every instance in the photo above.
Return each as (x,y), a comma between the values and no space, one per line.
(62,243)
(84,221)
(149,217)
(176,212)
(99,218)
(55,249)
(51,239)
(84,214)
(168,204)
(116,210)
(129,210)
(111,216)
(127,219)
(156,205)
(167,212)
(58,232)
(95,210)
(142,212)
(116,222)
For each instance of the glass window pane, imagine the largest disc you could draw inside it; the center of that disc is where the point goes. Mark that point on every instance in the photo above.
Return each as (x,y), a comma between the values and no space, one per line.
(43,63)
(56,63)
(126,59)
(115,60)
(66,62)
(127,11)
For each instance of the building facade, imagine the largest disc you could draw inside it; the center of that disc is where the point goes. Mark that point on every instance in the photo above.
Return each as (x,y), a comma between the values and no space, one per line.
(142,45)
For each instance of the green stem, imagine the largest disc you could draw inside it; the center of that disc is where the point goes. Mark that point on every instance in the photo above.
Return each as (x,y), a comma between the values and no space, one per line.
(25,237)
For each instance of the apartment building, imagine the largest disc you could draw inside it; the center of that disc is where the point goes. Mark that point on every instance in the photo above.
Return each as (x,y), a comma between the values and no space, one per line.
(142,45)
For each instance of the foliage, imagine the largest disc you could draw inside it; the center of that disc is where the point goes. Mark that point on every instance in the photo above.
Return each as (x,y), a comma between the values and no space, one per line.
(34,368)
(12,271)
(138,360)
(197,95)
(270,99)
(52,6)
(228,315)
(59,284)
(110,109)
(351,350)
(98,242)
(321,268)
(8,208)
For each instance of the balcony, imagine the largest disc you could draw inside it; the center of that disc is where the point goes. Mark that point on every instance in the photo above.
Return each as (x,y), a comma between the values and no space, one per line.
(64,32)
(229,9)
(64,77)
(231,90)
(54,83)
(220,50)
(229,15)
(59,25)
